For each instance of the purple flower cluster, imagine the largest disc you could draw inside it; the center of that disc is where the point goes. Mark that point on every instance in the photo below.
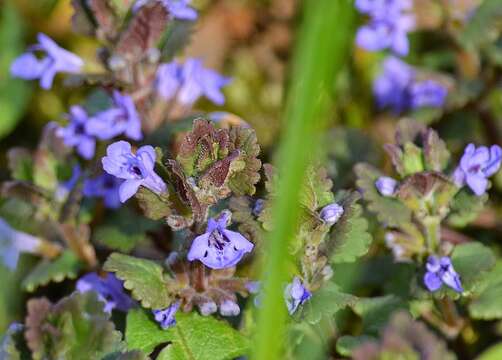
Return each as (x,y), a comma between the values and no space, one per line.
(136,169)
(476,166)
(296,294)
(397,87)
(109,290)
(178,9)
(219,248)
(388,27)
(440,271)
(187,82)
(56,59)
(83,130)
(13,243)
(166,317)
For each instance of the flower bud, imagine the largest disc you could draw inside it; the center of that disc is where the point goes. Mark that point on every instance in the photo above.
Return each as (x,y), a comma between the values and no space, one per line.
(386,186)
(229,308)
(331,213)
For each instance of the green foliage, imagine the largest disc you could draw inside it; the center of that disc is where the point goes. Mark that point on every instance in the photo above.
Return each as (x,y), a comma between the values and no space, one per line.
(465,207)
(123,230)
(81,330)
(66,266)
(472,261)
(193,337)
(494,352)
(388,210)
(146,279)
(349,238)
(376,311)
(14,93)
(486,304)
(346,344)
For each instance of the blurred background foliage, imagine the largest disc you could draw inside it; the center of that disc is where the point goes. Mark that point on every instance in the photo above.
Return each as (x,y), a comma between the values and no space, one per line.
(252,41)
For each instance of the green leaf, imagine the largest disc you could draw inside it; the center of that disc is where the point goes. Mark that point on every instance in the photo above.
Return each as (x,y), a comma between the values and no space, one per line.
(326,302)
(20,164)
(376,311)
(349,238)
(129,355)
(494,352)
(486,304)
(388,210)
(144,278)
(45,170)
(66,266)
(194,337)
(482,26)
(316,192)
(123,230)
(14,93)
(154,206)
(465,207)
(81,329)
(471,261)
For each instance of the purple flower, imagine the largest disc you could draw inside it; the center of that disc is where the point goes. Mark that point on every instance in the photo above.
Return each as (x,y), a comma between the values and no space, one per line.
(136,169)
(166,317)
(380,9)
(219,248)
(105,186)
(29,67)
(13,243)
(109,289)
(440,271)
(189,81)
(120,119)
(295,295)
(428,93)
(76,134)
(229,308)
(386,186)
(258,207)
(207,308)
(391,87)
(331,213)
(476,166)
(178,9)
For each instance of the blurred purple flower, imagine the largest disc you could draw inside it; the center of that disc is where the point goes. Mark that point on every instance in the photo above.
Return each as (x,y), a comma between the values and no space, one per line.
(391,88)
(229,308)
(64,188)
(136,169)
(295,295)
(428,93)
(105,186)
(13,243)
(166,317)
(120,119)
(380,9)
(76,134)
(189,81)
(207,308)
(476,166)
(331,213)
(386,186)
(440,271)
(219,248)
(178,9)
(29,67)
(109,289)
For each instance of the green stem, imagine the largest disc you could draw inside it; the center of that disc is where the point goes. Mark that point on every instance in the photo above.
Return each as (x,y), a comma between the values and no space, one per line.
(321,51)
(433,233)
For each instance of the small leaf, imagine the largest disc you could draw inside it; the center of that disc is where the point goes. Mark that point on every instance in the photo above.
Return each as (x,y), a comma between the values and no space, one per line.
(193,337)
(20,164)
(494,352)
(346,344)
(349,238)
(436,155)
(376,311)
(471,261)
(144,278)
(45,170)
(388,210)
(66,266)
(486,305)
(143,32)
(316,192)
(465,207)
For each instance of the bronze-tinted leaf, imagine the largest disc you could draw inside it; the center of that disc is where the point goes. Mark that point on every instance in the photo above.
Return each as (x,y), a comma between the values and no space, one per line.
(144,31)
(104,17)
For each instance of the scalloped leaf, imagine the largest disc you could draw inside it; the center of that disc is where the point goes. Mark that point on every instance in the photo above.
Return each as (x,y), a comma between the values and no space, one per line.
(145,278)
(472,261)
(244,140)
(487,304)
(66,266)
(193,337)
(349,238)
(80,328)
(436,154)
(465,207)
(389,211)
